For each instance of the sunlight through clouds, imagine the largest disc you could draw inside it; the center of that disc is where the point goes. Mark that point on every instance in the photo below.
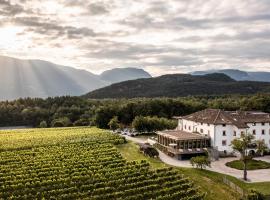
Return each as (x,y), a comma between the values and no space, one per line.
(160,36)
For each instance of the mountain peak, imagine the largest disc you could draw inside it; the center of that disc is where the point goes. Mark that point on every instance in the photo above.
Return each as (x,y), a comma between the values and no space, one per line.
(37,78)
(123,74)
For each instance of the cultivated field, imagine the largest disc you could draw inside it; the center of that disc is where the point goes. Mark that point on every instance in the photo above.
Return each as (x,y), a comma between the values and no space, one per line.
(81,163)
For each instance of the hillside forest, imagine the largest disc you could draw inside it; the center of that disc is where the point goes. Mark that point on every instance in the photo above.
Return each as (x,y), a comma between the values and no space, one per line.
(77,111)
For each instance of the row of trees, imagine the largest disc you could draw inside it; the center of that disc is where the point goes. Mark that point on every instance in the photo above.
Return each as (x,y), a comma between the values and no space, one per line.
(152,124)
(145,124)
(69,111)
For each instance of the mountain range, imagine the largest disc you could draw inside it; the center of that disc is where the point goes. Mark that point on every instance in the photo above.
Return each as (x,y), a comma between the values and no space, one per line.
(37,78)
(176,85)
(239,75)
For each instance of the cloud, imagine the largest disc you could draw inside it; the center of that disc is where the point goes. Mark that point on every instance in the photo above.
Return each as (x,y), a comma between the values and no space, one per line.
(8,9)
(49,27)
(161,36)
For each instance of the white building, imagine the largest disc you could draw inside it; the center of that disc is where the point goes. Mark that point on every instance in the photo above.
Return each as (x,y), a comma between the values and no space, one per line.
(221,127)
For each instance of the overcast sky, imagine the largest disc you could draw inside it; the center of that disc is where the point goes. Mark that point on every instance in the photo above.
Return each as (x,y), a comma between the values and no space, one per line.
(161,36)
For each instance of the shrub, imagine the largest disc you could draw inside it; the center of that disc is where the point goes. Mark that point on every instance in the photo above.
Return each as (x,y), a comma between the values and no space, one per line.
(200,162)
(254,195)
(61,122)
(81,122)
(43,124)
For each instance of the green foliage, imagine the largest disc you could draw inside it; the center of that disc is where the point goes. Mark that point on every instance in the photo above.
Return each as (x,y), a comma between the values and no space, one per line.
(152,124)
(254,195)
(30,112)
(82,122)
(251,164)
(241,145)
(61,122)
(114,123)
(149,150)
(200,162)
(261,147)
(43,124)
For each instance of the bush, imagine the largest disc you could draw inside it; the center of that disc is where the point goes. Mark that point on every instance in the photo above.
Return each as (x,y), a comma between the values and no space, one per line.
(254,195)
(114,123)
(149,150)
(200,162)
(61,122)
(43,124)
(82,122)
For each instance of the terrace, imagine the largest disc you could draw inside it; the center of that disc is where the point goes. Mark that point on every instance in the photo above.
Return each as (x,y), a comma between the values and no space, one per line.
(179,143)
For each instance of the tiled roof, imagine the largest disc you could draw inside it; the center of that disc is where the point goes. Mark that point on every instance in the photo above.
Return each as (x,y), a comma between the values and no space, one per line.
(237,118)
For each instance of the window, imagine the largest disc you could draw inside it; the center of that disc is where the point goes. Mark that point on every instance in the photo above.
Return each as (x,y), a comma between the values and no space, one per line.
(185,126)
(263,132)
(208,124)
(223,125)
(201,130)
(224,133)
(263,123)
(242,133)
(254,132)
(224,142)
(234,133)
(201,123)
(189,128)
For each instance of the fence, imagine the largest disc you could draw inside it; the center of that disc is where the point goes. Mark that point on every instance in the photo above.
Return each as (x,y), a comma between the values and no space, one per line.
(234,186)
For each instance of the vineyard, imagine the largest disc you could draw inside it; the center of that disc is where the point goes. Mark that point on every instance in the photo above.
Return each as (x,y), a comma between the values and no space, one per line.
(81,163)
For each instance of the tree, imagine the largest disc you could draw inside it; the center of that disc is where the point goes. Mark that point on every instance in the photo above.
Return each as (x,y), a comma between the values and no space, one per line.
(148,150)
(114,123)
(152,124)
(261,147)
(200,162)
(43,124)
(82,122)
(61,122)
(241,145)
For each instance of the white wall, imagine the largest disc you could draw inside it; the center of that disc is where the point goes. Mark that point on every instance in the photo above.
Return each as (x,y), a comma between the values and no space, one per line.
(216,132)
(258,128)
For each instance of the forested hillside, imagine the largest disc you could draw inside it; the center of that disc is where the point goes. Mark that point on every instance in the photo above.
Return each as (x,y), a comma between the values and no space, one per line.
(76,111)
(179,85)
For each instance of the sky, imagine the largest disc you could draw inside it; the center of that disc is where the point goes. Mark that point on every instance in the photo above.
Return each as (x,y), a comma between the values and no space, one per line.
(160,36)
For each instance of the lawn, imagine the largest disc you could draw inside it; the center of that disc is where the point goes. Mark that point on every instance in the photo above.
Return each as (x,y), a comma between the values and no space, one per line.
(251,165)
(210,182)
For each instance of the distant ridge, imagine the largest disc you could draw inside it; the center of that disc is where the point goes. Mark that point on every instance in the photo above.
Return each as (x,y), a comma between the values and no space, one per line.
(239,75)
(180,85)
(37,78)
(123,74)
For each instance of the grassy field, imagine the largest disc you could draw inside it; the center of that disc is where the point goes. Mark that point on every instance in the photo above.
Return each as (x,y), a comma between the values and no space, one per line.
(251,165)
(210,182)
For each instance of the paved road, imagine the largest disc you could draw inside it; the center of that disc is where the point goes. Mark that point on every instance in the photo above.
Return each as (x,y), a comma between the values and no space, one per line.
(262,175)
